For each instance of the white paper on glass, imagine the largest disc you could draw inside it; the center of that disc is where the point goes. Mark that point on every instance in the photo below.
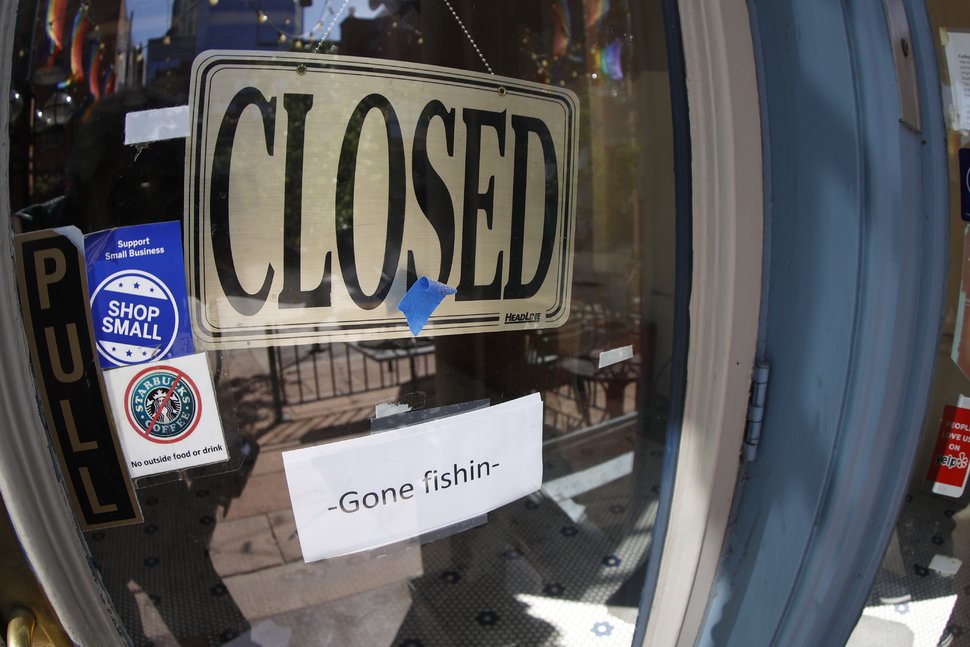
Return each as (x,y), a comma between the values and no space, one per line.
(958,65)
(367,492)
(183,431)
(146,126)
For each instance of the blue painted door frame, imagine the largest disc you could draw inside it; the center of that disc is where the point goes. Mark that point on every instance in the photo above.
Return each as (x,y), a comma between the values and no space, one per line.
(853,296)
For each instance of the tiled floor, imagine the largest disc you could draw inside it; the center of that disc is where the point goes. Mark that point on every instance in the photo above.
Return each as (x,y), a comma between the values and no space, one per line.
(218,561)
(911,604)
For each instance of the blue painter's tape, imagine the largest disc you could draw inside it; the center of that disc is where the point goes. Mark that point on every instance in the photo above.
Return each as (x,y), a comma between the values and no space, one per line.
(139,305)
(421,300)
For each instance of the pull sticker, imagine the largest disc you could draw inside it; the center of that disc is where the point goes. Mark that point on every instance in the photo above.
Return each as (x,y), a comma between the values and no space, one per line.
(136,276)
(53,295)
(951,456)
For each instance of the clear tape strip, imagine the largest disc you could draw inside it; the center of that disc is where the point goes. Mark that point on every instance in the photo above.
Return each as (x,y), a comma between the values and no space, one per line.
(608,357)
(147,126)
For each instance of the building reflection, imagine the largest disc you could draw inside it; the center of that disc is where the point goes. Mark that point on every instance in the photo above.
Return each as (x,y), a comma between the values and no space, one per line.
(218,559)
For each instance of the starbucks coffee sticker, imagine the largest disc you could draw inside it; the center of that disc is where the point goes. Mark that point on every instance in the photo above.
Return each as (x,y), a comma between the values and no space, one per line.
(166,415)
(163,404)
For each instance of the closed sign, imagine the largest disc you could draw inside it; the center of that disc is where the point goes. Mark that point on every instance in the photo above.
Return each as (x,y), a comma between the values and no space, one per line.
(320,188)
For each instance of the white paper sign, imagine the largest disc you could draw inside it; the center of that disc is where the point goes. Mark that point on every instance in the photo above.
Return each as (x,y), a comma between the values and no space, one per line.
(166,415)
(958,66)
(367,492)
(156,125)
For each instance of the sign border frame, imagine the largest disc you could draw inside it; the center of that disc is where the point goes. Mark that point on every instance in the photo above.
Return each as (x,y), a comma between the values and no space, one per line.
(208,337)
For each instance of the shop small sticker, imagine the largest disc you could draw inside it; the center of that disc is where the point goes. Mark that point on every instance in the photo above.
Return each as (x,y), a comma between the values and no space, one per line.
(138,295)
(139,317)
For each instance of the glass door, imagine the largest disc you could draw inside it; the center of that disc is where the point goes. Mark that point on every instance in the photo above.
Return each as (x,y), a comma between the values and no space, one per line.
(307,124)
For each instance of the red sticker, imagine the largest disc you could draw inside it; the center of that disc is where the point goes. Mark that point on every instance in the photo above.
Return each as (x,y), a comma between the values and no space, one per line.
(951,455)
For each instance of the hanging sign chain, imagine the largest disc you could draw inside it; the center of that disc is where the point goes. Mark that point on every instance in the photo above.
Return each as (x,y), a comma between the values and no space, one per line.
(469,37)
(333,21)
(336,14)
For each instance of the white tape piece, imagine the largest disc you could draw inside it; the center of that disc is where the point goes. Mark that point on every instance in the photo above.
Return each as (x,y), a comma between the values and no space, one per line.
(384,409)
(565,489)
(947,566)
(609,357)
(147,126)
(925,619)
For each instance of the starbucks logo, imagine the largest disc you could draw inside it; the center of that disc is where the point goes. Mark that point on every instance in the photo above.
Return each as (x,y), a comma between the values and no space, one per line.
(163,404)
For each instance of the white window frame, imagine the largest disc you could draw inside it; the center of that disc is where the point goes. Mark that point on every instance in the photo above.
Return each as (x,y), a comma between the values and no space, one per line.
(727,229)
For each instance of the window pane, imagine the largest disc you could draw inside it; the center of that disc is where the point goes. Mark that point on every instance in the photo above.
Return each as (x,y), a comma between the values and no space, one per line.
(217,556)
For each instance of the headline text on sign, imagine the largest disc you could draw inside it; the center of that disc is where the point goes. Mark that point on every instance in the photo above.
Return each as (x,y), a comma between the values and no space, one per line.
(313,222)
(351,501)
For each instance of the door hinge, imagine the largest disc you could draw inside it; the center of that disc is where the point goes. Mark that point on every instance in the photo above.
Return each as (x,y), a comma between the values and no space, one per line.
(756,410)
